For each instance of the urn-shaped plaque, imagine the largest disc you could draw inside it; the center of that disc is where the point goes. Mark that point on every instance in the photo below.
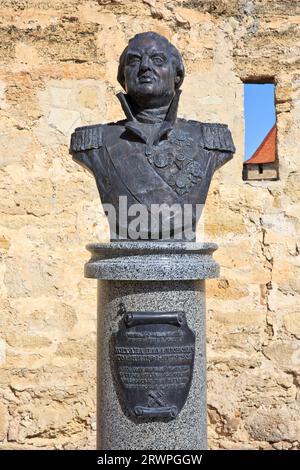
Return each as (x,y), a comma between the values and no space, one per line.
(154,357)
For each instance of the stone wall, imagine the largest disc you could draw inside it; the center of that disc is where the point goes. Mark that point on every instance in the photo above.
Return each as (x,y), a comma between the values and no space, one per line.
(58,63)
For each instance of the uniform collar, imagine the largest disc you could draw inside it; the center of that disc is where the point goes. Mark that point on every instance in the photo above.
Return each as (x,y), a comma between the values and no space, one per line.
(149,133)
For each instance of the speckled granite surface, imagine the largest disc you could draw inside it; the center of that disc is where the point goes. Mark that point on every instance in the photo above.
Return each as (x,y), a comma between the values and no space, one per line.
(116,428)
(151,261)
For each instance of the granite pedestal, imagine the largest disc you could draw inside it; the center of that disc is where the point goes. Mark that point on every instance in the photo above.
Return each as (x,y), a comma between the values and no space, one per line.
(160,277)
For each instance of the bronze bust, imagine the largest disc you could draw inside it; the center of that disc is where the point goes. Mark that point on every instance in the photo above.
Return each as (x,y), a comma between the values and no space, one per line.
(151,157)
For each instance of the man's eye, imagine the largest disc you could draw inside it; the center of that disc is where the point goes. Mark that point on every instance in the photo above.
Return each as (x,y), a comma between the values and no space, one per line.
(133,60)
(157,60)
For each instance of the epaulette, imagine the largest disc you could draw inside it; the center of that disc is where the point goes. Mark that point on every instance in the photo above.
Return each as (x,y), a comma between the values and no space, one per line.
(217,137)
(86,138)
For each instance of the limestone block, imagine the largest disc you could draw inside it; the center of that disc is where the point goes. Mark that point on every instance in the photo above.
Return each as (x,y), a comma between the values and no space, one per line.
(3,422)
(83,349)
(14,144)
(27,342)
(282,302)
(13,430)
(292,323)
(2,94)
(2,351)
(91,13)
(226,289)
(194,17)
(67,104)
(239,319)
(87,97)
(26,55)
(285,354)
(271,425)
(292,186)
(224,223)
(32,278)
(59,95)
(64,120)
(4,243)
(53,418)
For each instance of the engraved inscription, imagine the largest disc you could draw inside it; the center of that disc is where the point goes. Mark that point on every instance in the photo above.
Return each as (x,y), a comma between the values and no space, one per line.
(154,374)
(161,377)
(155,350)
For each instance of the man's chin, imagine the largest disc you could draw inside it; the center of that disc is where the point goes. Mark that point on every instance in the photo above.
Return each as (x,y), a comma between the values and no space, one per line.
(146,88)
(148,95)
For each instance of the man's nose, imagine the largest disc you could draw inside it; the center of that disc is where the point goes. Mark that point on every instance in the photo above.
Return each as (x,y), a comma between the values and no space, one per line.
(145,63)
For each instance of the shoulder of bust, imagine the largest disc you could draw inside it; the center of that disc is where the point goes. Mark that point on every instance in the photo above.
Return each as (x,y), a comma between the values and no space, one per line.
(214,136)
(91,137)
(86,138)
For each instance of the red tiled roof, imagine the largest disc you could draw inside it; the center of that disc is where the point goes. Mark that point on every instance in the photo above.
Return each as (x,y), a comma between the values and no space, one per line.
(265,152)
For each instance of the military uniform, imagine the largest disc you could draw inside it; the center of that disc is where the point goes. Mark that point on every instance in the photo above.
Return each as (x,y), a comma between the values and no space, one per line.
(169,162)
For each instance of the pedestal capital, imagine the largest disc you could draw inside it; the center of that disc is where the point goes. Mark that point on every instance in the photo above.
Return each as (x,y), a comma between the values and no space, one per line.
(165,261)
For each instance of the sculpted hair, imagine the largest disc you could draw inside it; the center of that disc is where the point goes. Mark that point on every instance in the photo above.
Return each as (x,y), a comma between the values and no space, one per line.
(175,56)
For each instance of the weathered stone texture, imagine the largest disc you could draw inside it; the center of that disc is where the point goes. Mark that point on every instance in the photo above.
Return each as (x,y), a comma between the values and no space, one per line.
(58,63)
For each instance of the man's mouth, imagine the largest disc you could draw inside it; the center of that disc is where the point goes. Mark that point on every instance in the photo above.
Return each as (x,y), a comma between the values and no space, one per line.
(146,78)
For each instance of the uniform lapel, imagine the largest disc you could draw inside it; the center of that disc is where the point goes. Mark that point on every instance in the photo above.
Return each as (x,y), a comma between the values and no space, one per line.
(131,163)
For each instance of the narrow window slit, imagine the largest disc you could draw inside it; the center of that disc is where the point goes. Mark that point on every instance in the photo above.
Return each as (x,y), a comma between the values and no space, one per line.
(260,160)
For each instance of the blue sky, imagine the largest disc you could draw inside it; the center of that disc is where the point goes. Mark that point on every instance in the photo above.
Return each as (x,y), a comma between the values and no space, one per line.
(259,114)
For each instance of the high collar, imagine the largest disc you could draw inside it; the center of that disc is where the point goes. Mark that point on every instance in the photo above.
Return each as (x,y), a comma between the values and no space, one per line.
(150,133)
(152,115)
(171,111)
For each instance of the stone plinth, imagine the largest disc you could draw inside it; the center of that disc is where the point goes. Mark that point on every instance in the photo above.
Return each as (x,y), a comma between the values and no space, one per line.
(153,277)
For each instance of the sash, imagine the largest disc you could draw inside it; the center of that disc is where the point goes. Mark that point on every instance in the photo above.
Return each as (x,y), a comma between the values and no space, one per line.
(139,177)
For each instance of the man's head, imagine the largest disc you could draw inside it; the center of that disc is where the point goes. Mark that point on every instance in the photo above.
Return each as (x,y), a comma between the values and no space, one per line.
(150,70)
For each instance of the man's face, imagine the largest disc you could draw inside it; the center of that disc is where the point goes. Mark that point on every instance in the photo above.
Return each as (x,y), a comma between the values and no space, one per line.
(149,73)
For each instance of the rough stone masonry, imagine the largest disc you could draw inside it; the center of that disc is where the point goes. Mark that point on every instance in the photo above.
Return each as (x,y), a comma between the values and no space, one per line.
(58,57)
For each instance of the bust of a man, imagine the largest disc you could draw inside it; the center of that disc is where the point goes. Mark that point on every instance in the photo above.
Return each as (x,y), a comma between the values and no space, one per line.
(151,166)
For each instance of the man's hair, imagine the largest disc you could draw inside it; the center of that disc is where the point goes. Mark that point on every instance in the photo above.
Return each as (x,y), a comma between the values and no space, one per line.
(175,56)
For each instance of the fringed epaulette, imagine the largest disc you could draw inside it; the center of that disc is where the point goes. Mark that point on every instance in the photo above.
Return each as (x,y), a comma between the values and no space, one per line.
(217,137)
(86,138)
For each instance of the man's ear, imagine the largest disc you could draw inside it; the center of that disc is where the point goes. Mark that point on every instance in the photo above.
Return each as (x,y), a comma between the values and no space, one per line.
(178,80)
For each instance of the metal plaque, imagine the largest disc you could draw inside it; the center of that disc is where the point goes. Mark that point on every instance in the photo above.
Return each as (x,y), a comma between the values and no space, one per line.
(154,356)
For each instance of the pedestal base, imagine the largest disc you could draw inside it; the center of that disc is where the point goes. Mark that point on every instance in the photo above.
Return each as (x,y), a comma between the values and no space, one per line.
(131,287)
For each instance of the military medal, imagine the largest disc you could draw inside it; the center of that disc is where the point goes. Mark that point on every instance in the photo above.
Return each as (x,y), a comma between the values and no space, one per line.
(161,160)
